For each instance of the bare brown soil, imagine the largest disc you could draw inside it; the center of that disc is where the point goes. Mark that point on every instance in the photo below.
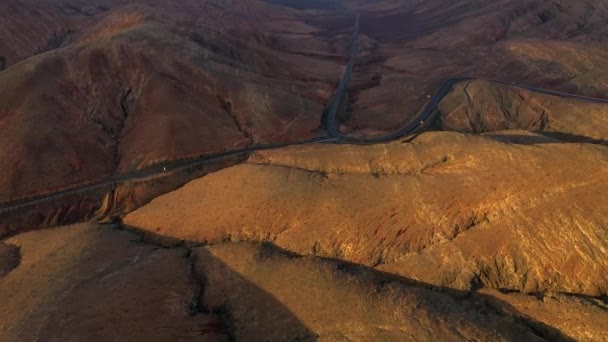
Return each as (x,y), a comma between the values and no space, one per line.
(481,106)
(96,282)
(409,48)
(496,231)
(129,86)
(99,283)
(106,202)
(477,211)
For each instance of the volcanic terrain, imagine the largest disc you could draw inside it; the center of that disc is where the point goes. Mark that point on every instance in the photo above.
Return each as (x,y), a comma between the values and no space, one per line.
(213,171)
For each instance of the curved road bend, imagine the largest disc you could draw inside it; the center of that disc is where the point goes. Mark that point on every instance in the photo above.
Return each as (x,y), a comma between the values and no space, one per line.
(445,88)
(425,114)
(185,163)
(332,127)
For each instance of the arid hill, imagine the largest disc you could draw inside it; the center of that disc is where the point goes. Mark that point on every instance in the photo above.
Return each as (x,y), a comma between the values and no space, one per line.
(409,48)
(448,236)
(98,89)
(89,283)
(512,215)
(481,106)
(93,282)
(142,123)
(134,85)
(497,210)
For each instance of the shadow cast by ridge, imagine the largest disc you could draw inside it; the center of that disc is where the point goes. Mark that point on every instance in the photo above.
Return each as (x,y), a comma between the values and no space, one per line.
(10,258)
(231,289)
(544,138)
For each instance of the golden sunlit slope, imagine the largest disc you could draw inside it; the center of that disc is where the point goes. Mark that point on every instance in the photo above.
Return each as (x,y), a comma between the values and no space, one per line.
(519,215)
(481,106)
(99,283)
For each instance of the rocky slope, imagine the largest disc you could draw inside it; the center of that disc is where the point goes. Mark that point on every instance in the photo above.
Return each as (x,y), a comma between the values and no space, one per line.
(478,211)
(89,283)
(481,106)
(93,282)
(133,86)
(497,231)
(335,301)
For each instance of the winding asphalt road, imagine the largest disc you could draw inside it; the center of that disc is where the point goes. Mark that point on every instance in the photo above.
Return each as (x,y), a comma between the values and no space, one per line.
(416,124)
(334,136)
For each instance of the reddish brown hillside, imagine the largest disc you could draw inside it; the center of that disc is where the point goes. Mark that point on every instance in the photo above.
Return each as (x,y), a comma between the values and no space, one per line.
(192,144)
(481,106)
(134,85)
(409,48)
